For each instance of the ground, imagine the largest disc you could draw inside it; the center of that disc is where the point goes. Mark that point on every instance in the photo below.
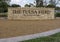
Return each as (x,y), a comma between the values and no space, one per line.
(11,28)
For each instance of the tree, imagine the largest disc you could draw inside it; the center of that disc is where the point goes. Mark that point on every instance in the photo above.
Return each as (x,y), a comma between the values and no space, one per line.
(39,3)
(27,5)
(54,2)
(3,6)
(7,1)
(15,5)
(45,3)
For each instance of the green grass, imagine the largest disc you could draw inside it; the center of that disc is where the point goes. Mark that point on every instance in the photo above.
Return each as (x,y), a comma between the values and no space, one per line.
(52,38)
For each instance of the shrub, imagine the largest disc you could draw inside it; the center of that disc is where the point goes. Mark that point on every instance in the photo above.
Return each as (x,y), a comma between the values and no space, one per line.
(51,6)
(57,14)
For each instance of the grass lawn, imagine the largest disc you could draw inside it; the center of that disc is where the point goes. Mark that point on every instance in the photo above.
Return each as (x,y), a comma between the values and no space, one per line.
(52,38)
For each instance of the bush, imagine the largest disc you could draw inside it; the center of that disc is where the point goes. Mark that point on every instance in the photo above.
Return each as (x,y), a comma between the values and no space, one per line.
(3,15)
(15,5)
(57,8)
(57,14)
(51,6)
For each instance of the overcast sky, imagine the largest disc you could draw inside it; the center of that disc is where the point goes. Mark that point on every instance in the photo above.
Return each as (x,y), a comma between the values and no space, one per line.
(23,2)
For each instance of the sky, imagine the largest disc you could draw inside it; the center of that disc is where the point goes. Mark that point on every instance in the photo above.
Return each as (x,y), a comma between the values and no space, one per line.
(23,2)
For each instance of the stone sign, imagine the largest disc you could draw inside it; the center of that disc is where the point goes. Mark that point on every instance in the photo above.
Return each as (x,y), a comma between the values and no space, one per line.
(30,13)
